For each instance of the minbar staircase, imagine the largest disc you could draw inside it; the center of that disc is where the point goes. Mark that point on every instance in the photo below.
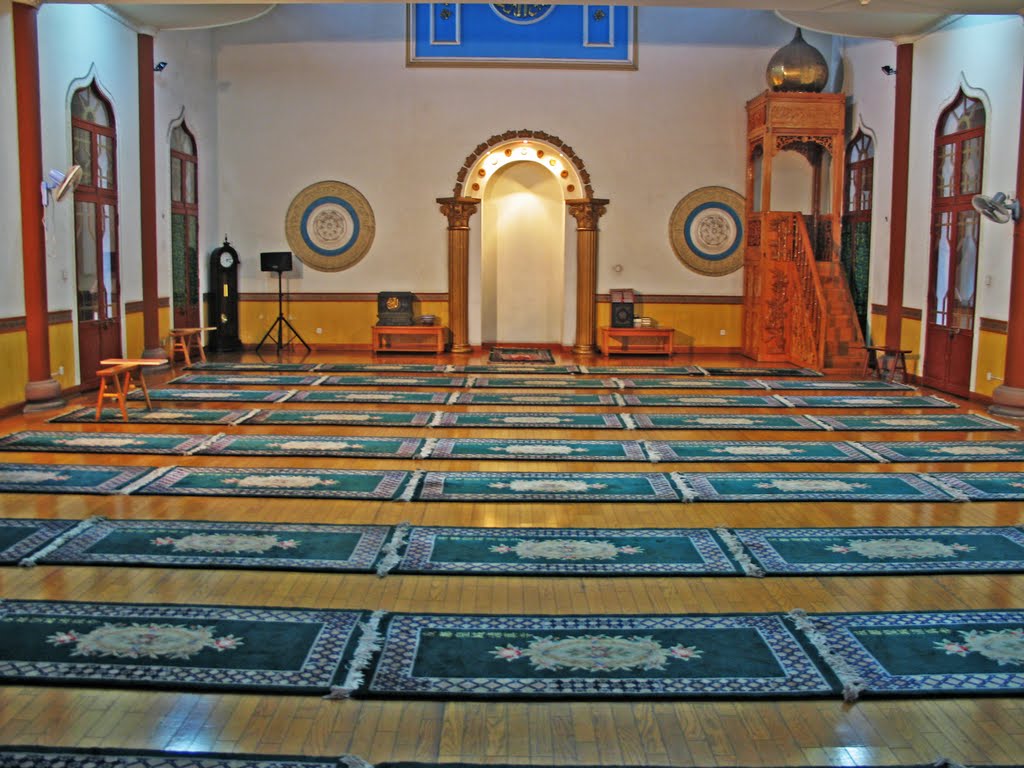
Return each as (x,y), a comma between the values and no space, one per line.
(844,342)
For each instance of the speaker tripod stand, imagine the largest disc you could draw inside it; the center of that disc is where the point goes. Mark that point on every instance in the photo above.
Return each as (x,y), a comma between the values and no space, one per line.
(280,323)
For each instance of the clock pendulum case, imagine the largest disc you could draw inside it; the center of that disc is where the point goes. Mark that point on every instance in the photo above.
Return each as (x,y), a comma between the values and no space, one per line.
(223,307)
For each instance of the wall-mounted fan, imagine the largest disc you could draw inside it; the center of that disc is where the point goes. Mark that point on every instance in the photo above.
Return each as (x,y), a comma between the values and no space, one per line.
(59,184)
(998,208)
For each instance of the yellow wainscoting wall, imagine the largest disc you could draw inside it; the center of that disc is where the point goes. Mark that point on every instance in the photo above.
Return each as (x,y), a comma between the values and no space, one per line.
(991,359)
(344,322)
(910,338)
(63,355)
(14,353)
(698,325)
(135,330)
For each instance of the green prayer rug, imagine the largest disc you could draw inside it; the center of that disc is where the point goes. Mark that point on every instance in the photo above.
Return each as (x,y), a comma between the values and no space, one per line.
(216,395)
(529,420)
(344,396)
(518,368)
(381,367)
(155,416)
(101,442)
(829,384)
(71,757)
(312,445)
(866,551)
(961,653)
(810,486)
(702,401)
(20,537)
(303,483)
(961,450)
(215,365)
(637,370)
(713,421)
(277,380)
(742,371)
(546,486)
(966,422)
(749,450)
(513,398)
(392,381)
(205,544)
(693,383)
(293,416)
(565,552)
(69,478)
(539,450)
(549,382)
(866,401)
(595,657)
(984,486)
(180,647)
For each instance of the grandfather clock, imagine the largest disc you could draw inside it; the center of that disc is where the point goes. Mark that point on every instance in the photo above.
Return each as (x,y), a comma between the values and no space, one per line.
(223,310)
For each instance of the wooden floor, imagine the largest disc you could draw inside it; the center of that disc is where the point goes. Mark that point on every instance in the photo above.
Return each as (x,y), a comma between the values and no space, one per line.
(771,733)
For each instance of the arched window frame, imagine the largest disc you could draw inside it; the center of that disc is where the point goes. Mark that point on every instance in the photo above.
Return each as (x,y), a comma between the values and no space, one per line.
(184,176)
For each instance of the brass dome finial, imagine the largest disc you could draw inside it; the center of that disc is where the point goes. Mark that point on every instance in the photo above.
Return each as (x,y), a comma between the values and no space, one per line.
(797,66)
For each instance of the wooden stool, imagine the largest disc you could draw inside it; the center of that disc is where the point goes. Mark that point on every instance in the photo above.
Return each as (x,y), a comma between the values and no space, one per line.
(897,362)
(116,382)
(182,339)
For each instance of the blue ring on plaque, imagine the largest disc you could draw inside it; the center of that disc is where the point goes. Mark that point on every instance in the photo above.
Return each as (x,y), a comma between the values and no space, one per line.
(521,13)
(706,230)
(331,223)
(715,233)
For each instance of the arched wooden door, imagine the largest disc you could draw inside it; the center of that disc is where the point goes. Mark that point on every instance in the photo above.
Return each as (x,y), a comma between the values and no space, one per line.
(953,276)
(184,229)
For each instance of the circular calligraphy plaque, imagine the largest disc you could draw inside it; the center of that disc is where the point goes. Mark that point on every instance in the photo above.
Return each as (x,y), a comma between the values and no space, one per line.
(520,13)
(329,226)
(706,230)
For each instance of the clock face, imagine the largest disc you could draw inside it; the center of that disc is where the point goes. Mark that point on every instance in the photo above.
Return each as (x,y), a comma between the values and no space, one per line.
(227,260)
(392,302)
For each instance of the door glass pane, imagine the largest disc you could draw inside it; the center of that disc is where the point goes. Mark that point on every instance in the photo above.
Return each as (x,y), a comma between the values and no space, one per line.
(190,182)
(964,287)
(109,266)
(940,275)
(178,267)
(192,259)
(970,167)
(105,162)
(175,180)
(81,153)
(944,174)
(86,281)
(866,182)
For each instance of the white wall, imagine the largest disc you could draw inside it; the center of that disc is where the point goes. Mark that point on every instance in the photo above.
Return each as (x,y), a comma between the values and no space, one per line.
(12,292)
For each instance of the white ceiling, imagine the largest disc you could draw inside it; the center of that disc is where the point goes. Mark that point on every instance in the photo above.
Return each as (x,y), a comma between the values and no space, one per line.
(887,19)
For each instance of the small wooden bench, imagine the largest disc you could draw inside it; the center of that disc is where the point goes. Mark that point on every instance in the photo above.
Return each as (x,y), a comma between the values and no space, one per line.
(896,357)
(116,382)
(183,339)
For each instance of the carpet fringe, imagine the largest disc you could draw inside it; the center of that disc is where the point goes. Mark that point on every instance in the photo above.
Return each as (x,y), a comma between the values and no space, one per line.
(319,381)
(211,439)
(750,568)
(352,761)
(245,417)
(390,550)
(762,384)
(453,399)
(428,448)
(470,382)
(820,423)
(618,383)
(435,419)
(1002,424)
(784,400)
(652,455)
(582,369)
(687,493)
(619,400)
(933,480)
(414,483)
(288,395)
(146,479)
(853,684)
(60,541)
(703,371)
(627,420)
(873,454)
(369,643)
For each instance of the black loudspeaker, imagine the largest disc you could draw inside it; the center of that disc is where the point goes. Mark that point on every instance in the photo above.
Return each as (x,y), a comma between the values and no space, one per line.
(622,309)
(394,308)
(276,261)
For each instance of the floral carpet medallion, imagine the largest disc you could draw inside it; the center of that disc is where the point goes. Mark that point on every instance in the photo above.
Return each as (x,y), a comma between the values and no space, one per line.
(155,416)
(883,550)
(546,486)
(964,653)
(67,478)
(312,445)
(808,486)
(511,398)
(552,551)
(702,401)
(866,401)
(201,544)
(344,396)
(967,422)
(986,485)
(101,442)
(717,450)
(392,381)
(341,418)
(531,420)
(542,450)
(944,451)
(276,380)
(312,483)
(215,395)
(549,382)
(20,537)
(711,421)
(183,647)
(594,657)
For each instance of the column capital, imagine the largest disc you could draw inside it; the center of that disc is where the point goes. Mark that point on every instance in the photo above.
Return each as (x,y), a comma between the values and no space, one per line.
(458,210)
(587,212)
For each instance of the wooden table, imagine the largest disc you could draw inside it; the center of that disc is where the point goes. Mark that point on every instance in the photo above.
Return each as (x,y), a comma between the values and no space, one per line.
(897,361)
(409,338)
(636,341)
(116,381)
(182,339)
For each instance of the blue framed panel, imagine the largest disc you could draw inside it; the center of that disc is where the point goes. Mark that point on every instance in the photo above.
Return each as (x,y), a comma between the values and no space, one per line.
(522,35)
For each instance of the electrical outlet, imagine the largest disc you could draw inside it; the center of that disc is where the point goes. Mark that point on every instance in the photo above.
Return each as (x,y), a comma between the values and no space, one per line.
(988,376)
(319,330)
(722,332)
(60,370)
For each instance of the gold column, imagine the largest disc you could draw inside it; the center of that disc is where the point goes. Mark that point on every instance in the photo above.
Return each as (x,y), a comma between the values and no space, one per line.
(458,211)
(586,213)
